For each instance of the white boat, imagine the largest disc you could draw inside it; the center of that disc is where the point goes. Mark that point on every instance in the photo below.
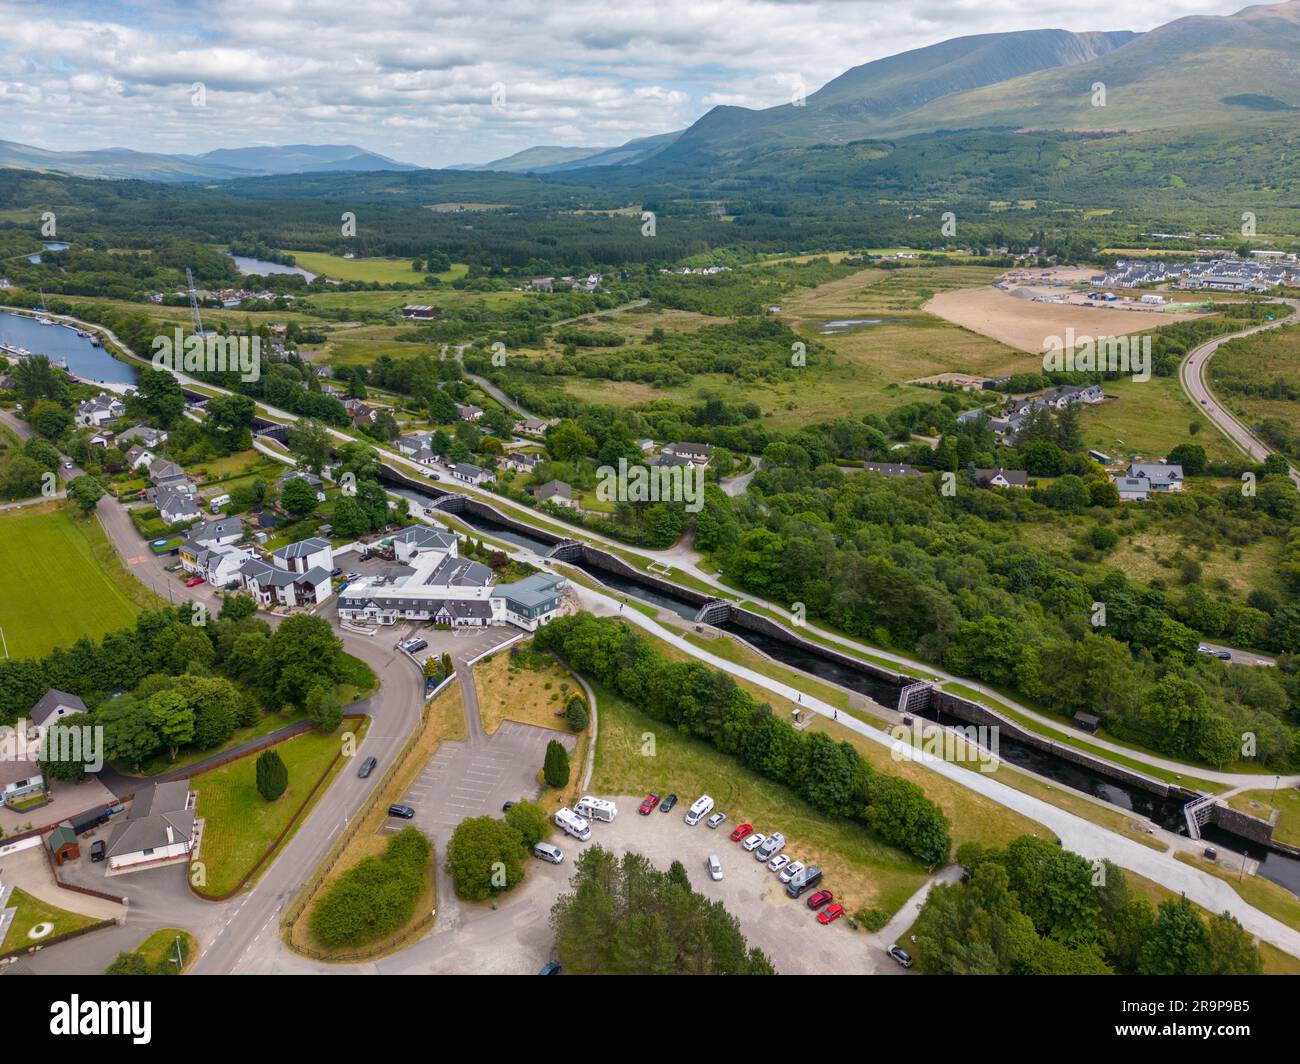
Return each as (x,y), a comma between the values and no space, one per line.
(46,321)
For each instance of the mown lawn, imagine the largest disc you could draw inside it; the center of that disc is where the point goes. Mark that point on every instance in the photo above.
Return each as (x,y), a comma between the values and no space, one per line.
(239,825)
(33,911)
(59,580)
(385,271)
(160,947)
(1261,803)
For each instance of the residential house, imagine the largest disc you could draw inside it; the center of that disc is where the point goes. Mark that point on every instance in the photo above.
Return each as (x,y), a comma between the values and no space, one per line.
(646,444)
(310,478)
(535,426)
(531,602)
(298,575)
(521,463)
(20,779)
(1001,478)
(468,411)
(362,414)
(176,507)
(470,473)
(101,410)
(151,437)
(220,566)
(158,828)
(1132,489)
(54,706)
(421,311)
(305,555)
(165,475)
(1160,476)
(557,493)
(418,447)
(668,458)
(139,456)
(542,284)
(699,453)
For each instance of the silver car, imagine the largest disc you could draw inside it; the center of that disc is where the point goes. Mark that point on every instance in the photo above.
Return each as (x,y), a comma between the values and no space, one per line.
(715,868)
(716,819)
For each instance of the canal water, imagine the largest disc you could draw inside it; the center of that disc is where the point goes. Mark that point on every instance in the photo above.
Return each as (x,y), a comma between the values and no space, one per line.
(251,267)
(1167,812)
(60,342)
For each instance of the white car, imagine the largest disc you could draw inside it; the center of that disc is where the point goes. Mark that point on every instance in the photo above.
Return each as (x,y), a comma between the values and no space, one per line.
(715,868)
(791,870)
(778,862)
(754,841)
(773,845)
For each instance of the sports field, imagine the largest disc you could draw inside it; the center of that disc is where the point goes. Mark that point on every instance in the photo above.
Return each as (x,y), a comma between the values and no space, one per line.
(53,588)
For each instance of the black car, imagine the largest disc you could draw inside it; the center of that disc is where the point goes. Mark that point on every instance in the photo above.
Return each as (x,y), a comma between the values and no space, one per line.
(506,808)
(97,850)
(668,803)
(550,968)
(367,767)
(404,811)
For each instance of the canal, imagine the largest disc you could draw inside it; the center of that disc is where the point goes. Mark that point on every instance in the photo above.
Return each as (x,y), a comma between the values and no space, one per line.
(60,342)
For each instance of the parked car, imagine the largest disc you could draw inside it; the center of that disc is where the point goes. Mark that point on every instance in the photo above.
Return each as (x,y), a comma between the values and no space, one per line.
(772,845)
(1223,655)
(648,803)
(803,881)
(741,831)
(550,968)
(820,898)
(98,848)
(715,867)
(668,803)
(700,808)
(830,914)
(754,841)
(367,767)
(778,862)
(547,851)
(505,806)
(791,870)
(716,819)
(404,811)
(901,955)
(413,644)
(194,581)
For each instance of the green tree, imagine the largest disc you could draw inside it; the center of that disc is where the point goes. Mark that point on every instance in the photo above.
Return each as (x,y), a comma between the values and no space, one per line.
(1232,950)
(1178,943)
(530,820)
(484,857)
(298,497)
(575,714)
(86,492)
(325,707)
(555,769)
(173,719)
(272,775)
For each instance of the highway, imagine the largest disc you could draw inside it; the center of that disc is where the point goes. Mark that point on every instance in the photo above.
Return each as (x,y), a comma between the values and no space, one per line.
(1191,373)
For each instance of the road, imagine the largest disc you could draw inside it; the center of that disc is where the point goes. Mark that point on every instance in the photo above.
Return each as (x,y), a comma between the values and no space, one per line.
(1192,375)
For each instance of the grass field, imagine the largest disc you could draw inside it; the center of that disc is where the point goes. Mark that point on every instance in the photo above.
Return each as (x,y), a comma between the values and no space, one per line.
(526,695)
(383,271)
(59,580)
(1261,803)
(33,911)
(160,948)
(1149,418)
(239,824)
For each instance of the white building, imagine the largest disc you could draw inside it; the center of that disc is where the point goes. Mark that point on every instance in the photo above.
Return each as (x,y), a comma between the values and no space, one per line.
(158,828)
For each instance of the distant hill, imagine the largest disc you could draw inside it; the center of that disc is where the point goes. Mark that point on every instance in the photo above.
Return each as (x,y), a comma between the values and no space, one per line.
(532,160)
(221,164)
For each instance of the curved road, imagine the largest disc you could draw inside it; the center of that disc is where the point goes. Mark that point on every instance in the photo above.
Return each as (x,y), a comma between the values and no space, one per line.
(1191,373)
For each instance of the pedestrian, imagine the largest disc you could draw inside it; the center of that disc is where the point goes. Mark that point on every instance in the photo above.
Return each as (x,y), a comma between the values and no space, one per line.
(837,713)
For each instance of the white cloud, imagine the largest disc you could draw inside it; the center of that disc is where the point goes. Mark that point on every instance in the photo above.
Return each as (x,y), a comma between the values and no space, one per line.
(413,78)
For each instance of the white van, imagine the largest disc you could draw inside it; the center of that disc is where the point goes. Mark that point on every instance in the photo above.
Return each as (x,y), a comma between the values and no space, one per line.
(216,504)
(571,824)
(596,809)
(703,807)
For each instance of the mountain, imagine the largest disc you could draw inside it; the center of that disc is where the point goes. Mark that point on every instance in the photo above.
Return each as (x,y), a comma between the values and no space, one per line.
(861,101)
(532,160)
(1194,72)
(221,164)
(629,154)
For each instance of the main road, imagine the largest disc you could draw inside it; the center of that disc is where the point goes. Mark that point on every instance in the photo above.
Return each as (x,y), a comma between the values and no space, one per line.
(1192,375)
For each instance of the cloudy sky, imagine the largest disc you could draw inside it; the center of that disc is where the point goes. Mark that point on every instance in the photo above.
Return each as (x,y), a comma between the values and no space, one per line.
(436,82)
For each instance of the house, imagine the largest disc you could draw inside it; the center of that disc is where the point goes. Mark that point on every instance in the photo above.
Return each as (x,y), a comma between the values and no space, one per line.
(158,828)
(470,473)
(101,410)
(521,463)
(668,458)
(361,413)
(1160,476)
(220,565)
(886,469)
(557,493)
(967,417)
(138,456)
(542,284)
(101,439)
(295,578)
(535,426)
(19,779)
(421,311)
(168,475)
(1131,489)
(62,843)
(151,437)
(699,453)
(646,444)
(410,543)
(218,533)
(418,447)
(468,411)
(176,507)
(531,602)
(310,478)
(1001,478)
(53,706)
(305,555)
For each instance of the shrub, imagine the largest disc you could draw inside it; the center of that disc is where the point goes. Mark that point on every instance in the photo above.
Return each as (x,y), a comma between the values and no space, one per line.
(272,775)
(530,820)
(576,713)
(376,896)
(485,857)
(555,769)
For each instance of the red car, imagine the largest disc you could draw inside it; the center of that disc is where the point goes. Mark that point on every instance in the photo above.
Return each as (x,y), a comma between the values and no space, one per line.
(741,831)
(647,805)
(820,898)
(830,913)
(194,581)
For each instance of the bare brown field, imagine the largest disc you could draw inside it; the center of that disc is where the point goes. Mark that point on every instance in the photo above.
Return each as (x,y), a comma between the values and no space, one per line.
(1025,325)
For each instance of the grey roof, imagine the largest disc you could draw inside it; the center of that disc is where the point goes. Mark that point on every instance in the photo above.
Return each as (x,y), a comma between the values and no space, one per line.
(553,488)
(302,548)
(177,502)
(11,771)
(668,458)
(266,575)
(459,572)
(531,590)
(316,575)
(98,403)
(154,810)
(1156,471)
(162,469)
(1017,477)
(887,469)
(52,700)
(295,474)
(227,526)
(425,537)
(146,432)
(703,449)
(468,469)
